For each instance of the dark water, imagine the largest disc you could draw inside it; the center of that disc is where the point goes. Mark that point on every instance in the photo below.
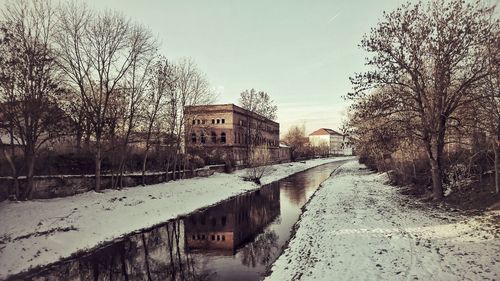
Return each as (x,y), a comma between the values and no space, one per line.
(235,240)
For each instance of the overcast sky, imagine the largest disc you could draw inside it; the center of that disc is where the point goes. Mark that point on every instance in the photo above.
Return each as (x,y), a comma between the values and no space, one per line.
(300,52)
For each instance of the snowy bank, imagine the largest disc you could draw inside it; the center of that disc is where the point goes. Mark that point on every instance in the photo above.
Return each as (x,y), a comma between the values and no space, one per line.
(356,227)
(41,232)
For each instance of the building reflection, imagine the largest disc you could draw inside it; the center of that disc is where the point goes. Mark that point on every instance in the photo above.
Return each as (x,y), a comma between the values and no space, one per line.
(157,254)
(227,226)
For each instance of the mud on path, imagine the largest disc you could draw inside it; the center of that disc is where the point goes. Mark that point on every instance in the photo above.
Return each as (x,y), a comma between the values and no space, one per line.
(357,227)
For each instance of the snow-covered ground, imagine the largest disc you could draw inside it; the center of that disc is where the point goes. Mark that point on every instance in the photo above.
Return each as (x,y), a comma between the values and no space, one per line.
(40,232)
(358,228)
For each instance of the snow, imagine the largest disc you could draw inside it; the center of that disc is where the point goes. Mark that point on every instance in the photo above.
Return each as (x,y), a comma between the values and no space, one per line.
(356,227)
(41,232)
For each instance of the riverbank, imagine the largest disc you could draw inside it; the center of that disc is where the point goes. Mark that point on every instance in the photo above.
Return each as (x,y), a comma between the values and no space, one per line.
(356,227)
(53,229)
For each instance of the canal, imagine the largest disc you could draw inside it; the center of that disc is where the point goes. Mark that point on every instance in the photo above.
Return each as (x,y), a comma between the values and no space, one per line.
(237,239)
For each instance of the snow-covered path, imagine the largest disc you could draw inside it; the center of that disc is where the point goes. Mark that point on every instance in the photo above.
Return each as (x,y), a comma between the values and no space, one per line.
(40,232)
(358,228)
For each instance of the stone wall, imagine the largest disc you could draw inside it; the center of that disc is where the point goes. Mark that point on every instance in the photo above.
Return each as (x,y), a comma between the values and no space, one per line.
(61,186)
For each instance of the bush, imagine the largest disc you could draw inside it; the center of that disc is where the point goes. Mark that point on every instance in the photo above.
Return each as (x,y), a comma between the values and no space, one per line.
(258,164)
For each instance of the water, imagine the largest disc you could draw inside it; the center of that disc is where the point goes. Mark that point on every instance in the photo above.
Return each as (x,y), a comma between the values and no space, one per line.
(235,240)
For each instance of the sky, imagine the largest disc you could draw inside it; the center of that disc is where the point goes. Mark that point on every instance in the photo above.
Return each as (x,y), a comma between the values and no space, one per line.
(300,52)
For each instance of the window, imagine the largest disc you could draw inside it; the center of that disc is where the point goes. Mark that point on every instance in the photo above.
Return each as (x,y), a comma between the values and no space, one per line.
(223,138)
(213,237)
(223,121)
(202,138)
(213,121)
(214,137)
(223,238)
(202,221)
(193,138)
(198,121)
(223,220)
(218,121)
(194,237)
(194,121)
(218,237)
(214,222)
(203,237)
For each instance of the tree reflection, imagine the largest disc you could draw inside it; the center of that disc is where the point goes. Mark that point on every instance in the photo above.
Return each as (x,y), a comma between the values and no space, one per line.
(262,251)
(157,254)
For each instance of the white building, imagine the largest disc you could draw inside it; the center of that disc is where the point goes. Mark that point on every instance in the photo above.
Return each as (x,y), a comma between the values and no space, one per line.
(336,142)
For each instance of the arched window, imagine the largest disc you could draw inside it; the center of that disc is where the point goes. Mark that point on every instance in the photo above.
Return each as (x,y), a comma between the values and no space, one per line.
(202,138)
(223,138)
(193,137)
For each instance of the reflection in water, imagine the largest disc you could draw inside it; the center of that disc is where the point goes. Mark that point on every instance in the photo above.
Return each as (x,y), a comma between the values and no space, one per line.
(234,240)
(223,228)
(299,196)
(157,254)
(261,251)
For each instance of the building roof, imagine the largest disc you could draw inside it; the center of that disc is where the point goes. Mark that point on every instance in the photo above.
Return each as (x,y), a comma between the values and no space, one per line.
(325,132)
(227,106)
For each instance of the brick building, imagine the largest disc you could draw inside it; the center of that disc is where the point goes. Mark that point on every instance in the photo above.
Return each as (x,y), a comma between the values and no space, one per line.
(227,130)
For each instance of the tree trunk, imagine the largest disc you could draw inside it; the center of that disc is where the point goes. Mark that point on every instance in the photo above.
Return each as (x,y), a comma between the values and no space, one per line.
(98,167)
(496,149)
(13,169)
(144,161)
(435,157)
(174,170)
(167,165)
(437,180)
(79,136)
(30,165)
(433,154)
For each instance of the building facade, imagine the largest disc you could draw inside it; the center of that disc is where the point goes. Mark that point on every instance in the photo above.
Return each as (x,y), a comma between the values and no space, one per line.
(227,130)
(333,141)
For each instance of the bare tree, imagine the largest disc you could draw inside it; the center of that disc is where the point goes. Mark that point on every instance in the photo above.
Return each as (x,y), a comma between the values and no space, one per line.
(296,139)
(259,164)
(135,88)
(160,85)
(430,57)
(96,51)
(259,102)
(30,79)
(191,88)
(490,113)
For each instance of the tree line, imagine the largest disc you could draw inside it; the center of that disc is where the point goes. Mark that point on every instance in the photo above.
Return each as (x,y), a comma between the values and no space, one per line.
(92,78)
(429,103)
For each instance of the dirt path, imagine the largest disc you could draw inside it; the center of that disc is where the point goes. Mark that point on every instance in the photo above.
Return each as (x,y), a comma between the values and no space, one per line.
(358,228)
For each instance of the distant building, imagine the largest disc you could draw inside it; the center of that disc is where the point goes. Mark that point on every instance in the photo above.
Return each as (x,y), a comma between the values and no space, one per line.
(333,141)
(228,130)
